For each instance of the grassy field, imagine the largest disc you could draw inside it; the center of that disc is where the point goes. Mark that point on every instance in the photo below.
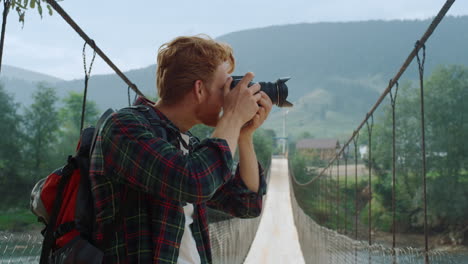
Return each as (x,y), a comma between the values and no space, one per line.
(18,220)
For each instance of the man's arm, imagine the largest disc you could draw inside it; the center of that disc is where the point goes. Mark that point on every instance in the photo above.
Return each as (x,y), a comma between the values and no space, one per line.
(248,164)
(242,196)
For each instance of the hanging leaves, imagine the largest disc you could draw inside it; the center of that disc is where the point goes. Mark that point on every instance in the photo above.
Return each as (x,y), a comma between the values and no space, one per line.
(20,6)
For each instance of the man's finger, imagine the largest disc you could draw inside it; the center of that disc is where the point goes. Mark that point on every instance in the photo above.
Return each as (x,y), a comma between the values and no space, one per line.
(257,97)
(255,88)
(265,103)
(267,98)
(248,77)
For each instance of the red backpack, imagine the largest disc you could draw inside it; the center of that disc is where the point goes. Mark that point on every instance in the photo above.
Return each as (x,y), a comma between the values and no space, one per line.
(64,202)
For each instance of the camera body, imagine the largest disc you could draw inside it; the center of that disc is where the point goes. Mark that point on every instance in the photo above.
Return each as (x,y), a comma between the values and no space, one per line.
(277,91)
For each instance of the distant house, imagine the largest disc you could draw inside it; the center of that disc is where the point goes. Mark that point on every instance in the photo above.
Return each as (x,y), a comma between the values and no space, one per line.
(324,149)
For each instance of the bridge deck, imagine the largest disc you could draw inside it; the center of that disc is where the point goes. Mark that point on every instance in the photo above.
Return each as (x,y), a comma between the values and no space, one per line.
(276,240)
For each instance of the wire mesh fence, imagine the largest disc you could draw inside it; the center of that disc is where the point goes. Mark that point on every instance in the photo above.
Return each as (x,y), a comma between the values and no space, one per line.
(20,248)
(331,243)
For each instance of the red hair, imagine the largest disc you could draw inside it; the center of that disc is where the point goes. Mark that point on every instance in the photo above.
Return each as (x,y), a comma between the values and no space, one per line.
(185,60)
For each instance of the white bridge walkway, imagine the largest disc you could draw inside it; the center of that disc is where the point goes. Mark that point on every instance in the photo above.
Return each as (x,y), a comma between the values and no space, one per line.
(276,240)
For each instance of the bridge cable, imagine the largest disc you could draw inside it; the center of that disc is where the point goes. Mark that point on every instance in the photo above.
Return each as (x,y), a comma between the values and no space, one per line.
(355,139)
(128,90)
(338,195)
(86,79)
(345,154)
(393,102)
(330,205)
(423,144)
(6,10)
(369,184)
(93,45)
(346,157)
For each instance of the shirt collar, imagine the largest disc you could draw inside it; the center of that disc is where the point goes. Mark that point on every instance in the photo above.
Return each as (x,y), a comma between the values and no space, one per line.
(145,101)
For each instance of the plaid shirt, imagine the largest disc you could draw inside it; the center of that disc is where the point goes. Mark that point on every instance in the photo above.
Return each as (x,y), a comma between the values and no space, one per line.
(133,165)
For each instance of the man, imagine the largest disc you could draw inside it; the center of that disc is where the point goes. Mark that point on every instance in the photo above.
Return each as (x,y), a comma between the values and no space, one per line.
(151,190)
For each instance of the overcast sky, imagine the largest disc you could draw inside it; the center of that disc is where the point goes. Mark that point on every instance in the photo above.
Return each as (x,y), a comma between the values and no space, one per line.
(130,32)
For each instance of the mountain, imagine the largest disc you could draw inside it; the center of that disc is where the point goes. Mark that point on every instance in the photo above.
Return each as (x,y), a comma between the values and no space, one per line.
(108,90)
(21,83)
(11,72)
(338,70)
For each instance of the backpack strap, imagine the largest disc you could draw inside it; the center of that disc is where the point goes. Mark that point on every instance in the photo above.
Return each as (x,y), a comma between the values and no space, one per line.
(99,124)
(49,239)
(63,229)
(158,126)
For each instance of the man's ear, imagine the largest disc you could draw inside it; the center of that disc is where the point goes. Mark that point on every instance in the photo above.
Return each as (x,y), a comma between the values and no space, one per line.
(199,91)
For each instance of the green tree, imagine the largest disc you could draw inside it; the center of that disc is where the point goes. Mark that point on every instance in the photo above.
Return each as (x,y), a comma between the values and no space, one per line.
(446,116)
(41,127)
(263,144)
(70,120)
(11,139)
(447,122)
(71,112)
(304,135)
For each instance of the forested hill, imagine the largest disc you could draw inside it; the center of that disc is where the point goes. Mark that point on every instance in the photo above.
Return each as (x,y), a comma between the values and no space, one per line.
(338,69)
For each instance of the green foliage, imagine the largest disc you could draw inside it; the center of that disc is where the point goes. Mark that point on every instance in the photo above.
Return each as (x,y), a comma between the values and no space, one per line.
(446,151)
(41,126)
(299,167)
(37,142)
(263,145)
(18,220)
(20,6)
(11,146)
(263,141)
(446,91)
(70,120)
(71,112)
(305,134)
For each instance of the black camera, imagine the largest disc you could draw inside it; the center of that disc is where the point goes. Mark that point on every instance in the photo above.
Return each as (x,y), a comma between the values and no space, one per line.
(277,91)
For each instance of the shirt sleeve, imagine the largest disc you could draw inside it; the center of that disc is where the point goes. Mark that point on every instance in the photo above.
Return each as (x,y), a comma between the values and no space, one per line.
(236,199)
(150,164)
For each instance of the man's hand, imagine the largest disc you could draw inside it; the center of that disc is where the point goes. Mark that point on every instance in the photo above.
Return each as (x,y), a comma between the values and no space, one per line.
(241,102)
(265,106)
(240,105)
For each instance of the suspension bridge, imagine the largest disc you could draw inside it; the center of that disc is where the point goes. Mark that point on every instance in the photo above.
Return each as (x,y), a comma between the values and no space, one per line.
(285,232)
